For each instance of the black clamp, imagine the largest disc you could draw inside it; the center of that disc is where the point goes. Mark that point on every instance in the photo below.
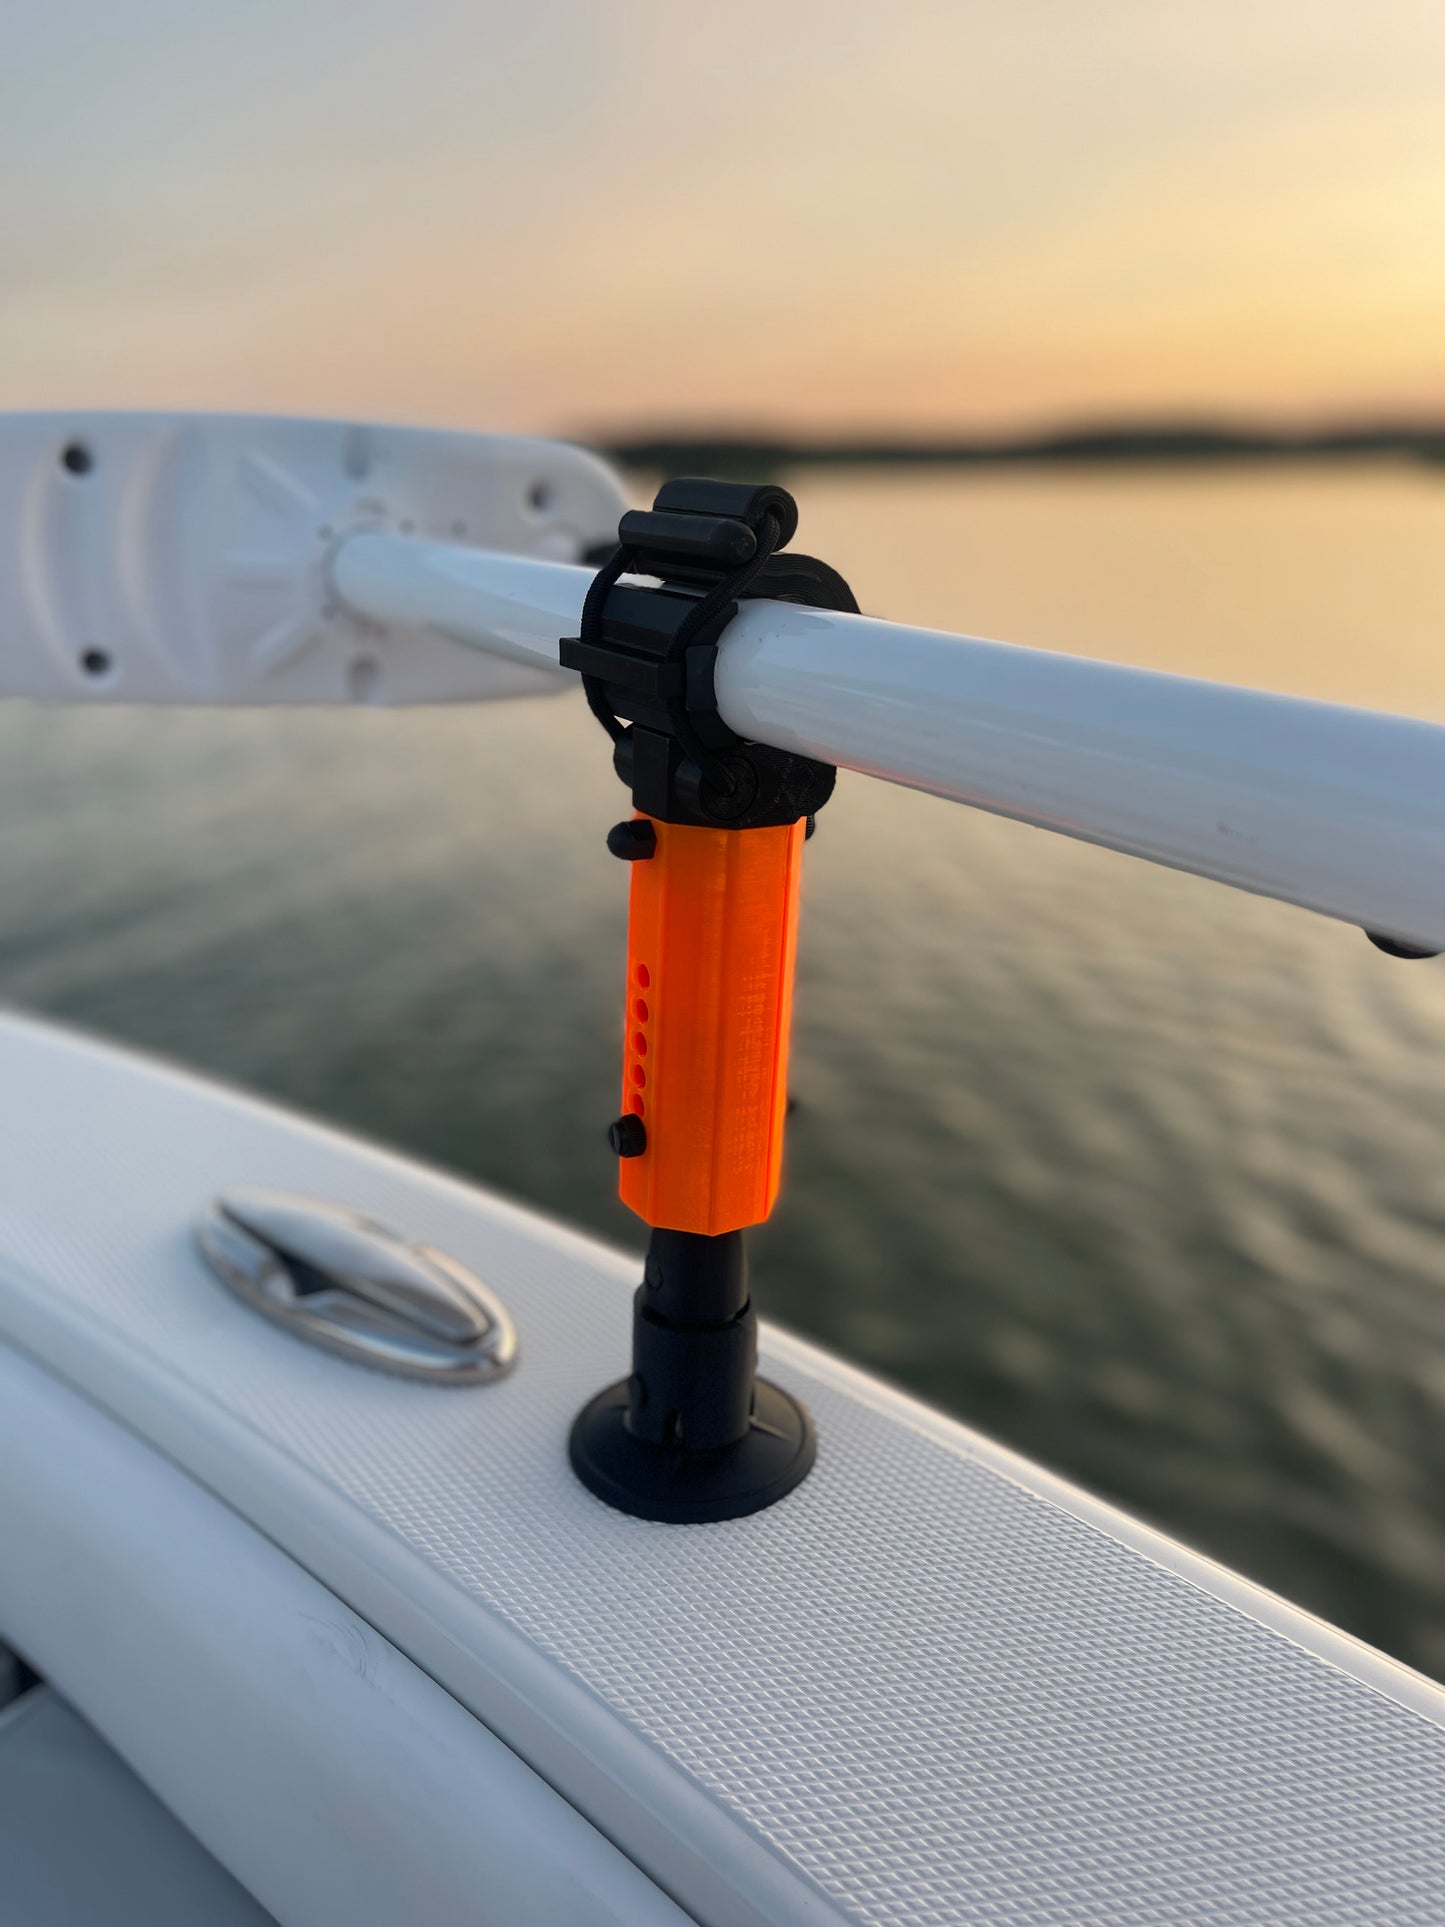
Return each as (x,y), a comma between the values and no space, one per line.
(648,654)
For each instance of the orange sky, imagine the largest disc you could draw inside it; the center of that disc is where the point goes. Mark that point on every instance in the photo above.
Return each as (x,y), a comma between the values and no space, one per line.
(821,213)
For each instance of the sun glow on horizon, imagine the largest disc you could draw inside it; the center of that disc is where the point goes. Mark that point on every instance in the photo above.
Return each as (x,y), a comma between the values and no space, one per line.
(550,217)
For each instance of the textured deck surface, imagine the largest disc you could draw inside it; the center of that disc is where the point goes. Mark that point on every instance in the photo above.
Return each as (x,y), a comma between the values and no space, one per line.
(926,1688)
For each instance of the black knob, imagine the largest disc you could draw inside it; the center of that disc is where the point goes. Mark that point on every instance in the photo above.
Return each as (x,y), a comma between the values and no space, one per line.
(628,1136)
(1392,947)
(634,841)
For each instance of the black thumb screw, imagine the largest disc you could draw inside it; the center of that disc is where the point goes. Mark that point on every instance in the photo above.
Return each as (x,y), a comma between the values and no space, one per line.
(634,841)
(628,1136)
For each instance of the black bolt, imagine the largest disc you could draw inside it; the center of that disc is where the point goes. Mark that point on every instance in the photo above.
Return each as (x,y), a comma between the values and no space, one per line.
(628,1136)
(634,841)
(812,828)
(1392,947)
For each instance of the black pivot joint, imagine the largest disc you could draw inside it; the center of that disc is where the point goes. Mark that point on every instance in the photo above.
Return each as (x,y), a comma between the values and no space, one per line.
(647,655)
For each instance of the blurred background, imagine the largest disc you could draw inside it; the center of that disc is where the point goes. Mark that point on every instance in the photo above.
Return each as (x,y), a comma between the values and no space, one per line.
(1117,329)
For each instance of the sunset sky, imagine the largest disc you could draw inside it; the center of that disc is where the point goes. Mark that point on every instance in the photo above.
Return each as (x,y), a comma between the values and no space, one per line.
(824,214)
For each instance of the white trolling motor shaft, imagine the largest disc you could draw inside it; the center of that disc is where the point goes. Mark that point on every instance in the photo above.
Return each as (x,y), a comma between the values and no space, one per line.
(225,559)
(1339,810)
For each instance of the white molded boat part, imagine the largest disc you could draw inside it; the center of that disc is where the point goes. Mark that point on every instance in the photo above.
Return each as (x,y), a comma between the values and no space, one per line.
(323,1768)
(934,1684)
(1337,809)
(165,558)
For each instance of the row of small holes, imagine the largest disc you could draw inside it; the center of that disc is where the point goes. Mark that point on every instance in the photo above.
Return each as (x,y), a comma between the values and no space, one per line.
(642,977)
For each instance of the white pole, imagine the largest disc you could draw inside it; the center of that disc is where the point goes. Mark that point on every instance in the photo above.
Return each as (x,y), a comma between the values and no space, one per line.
(1336,809)
(505,604)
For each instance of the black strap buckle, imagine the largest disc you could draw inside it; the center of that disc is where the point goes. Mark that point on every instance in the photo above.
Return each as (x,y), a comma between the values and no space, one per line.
(648,654)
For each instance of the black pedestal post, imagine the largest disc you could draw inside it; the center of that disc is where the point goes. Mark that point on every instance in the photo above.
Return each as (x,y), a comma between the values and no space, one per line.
(693,1435)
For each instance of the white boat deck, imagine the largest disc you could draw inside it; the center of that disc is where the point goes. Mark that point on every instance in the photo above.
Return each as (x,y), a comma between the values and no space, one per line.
(934,1684)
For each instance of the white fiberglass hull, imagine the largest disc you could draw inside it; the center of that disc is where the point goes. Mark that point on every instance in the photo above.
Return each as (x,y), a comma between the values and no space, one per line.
(934,1684)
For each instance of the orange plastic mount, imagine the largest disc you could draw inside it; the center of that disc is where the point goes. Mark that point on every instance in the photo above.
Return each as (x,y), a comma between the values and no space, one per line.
(712,936)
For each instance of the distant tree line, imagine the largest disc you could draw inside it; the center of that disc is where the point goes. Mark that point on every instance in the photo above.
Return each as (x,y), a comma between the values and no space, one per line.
(703,452)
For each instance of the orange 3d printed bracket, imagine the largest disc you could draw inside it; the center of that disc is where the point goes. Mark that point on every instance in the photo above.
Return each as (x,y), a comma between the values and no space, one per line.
(716,853)
(711,934)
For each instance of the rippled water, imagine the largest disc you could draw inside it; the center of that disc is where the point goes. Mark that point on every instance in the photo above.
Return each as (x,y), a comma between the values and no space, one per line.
(1143,1176)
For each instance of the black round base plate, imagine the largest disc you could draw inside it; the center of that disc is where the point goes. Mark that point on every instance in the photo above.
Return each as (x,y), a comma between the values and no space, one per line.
(693,1488)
